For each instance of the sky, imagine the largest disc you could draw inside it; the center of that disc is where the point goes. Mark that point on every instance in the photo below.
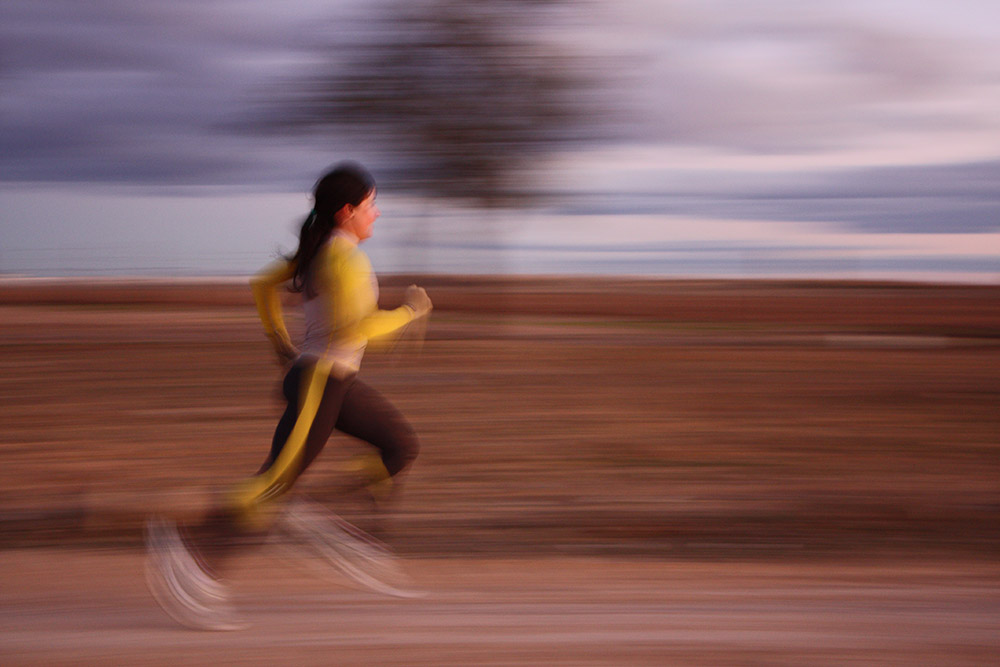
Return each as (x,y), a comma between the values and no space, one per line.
(757,138)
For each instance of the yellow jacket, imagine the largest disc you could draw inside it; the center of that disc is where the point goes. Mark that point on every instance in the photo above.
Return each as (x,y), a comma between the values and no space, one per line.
(342,316)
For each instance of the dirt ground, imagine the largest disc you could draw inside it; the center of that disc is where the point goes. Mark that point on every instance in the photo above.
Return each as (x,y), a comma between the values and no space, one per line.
(612,472)
(529,611)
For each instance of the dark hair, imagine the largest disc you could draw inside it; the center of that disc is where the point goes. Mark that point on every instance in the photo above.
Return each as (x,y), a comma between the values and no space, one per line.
(347,184)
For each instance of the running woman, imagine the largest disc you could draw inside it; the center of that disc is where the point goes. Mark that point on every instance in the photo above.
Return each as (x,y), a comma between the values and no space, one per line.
(321,387)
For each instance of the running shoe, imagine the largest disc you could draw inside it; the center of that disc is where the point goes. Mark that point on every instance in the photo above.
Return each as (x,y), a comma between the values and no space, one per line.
(180,586)
(338,544)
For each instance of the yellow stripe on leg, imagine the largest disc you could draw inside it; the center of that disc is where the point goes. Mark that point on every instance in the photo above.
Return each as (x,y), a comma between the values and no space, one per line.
(370,468)
(250,496)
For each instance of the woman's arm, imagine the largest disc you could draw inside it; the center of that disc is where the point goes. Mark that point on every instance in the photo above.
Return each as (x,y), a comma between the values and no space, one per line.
(352,304)
(264,286)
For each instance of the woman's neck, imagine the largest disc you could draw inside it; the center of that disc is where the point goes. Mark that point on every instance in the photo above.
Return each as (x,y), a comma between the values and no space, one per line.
(346,235)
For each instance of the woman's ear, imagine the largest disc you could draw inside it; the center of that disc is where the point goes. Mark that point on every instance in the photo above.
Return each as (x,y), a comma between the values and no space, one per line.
(345,212)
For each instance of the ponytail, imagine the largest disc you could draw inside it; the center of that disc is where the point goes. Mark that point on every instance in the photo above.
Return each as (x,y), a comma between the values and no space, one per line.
(311,239)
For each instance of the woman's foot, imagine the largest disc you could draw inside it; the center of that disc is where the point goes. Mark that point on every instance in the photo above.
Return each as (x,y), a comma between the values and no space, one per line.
(180,586)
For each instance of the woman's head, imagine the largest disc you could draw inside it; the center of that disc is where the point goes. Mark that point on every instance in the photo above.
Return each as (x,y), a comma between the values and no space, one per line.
(343,198)
(348,184)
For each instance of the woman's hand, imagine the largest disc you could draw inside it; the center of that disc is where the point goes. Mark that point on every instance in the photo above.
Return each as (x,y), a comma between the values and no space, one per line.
(283,348)
(417,300)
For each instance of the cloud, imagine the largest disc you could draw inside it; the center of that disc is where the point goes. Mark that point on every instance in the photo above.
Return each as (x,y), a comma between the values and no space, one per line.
(134,92)
(922,198)
(153,92)
(916,199)
(789,76)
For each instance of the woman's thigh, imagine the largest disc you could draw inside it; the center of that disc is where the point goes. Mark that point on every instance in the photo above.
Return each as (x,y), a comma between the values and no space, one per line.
(368,415)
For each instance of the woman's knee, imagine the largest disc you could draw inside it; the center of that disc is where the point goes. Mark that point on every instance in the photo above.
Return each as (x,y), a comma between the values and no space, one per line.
(403,451)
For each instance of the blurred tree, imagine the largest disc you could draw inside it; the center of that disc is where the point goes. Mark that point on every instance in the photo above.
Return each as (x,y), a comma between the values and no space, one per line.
(463,93)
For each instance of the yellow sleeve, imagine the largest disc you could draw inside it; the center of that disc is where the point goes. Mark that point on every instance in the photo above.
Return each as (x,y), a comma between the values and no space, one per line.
(384,322)
(350,290)
(264,286)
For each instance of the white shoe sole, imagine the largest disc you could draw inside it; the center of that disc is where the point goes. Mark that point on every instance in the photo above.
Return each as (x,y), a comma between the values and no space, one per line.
(345,548)
(163,581)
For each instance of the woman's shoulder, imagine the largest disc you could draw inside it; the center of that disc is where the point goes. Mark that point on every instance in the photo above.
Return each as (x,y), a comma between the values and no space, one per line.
(339,247)
(344,255)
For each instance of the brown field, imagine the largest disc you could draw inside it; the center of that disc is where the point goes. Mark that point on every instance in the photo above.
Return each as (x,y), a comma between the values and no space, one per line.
(613,472)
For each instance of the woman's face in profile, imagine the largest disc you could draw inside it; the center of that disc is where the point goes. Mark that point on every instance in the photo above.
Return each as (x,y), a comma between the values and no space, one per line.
(362,217)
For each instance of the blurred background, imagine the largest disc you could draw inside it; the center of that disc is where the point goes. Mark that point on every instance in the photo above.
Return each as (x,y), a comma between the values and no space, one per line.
(603,140)
(717,138)
(716,287)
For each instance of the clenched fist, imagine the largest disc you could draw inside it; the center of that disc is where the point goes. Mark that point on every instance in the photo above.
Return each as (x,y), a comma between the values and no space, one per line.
(416,299)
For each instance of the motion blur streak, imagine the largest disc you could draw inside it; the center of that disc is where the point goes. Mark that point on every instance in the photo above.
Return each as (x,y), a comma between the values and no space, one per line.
(612,471)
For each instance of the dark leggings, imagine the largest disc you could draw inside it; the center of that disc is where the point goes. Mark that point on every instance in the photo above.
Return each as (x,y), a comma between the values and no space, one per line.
(348,405)
(352,407)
